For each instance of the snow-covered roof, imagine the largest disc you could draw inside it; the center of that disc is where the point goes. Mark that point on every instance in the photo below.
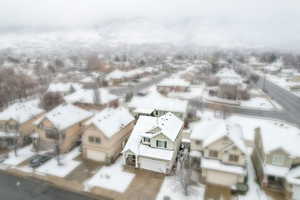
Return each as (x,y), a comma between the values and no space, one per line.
(281,136)
(276,170)
(219,166)
(88,96)
(211,131)
(174,82)
(168,124)
(63,87)
(21,111)
(229,76)
(293,176)
(116,74)
(144,110)
(154,100)
(227,73)
(66,115)
(110,121)
(87,79)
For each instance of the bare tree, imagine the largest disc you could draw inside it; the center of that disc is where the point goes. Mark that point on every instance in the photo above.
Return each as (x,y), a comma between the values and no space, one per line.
(184,170)
(51,99)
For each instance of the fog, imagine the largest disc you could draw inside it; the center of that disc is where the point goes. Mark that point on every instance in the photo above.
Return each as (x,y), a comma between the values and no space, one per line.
(258,22)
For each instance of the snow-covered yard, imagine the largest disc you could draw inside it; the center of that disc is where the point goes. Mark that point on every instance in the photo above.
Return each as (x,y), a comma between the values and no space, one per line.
(68,165)
(172,188)
(22,155)
(111,177)
(260,103)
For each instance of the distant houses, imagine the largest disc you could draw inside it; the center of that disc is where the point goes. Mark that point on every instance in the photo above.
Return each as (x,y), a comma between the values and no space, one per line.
(173,85)
(155,104)
(92,99)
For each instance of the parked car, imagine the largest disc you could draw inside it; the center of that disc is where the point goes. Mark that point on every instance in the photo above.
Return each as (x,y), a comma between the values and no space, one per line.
(3,158)
(38,160)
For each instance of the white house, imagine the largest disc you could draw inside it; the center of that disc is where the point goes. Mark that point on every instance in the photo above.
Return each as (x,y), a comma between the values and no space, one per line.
(154,143)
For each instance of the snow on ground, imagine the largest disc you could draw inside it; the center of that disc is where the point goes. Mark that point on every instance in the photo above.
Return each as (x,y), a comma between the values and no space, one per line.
(22,155)
(172,188)
(68,165)
(258,103)
(111,177)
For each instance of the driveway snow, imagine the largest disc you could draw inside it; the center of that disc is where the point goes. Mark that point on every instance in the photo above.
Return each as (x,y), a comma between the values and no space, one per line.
(172,188)
(112,178)
(68,165)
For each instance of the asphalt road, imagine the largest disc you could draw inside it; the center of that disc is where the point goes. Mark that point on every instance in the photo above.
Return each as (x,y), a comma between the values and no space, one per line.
(16,188)
(289,101)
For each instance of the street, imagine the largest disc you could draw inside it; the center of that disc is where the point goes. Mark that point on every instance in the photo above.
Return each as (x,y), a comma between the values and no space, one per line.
(289,101)
(16,188)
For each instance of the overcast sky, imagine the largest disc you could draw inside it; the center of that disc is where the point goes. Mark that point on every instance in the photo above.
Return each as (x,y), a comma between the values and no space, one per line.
(270,19)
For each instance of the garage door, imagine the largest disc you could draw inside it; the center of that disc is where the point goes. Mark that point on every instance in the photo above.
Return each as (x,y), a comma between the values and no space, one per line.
(220,178)
(296,192)
(96,155)
(153,165)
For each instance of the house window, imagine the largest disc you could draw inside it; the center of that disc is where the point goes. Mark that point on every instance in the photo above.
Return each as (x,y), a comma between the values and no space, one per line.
(213,153)
(91,139)
(278,160)
(233,158)
(161,144)
(147,140)
(198,142)
(97,140)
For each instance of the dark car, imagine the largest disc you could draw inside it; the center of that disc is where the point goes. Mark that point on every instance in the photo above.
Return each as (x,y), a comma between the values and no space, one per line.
(38,160)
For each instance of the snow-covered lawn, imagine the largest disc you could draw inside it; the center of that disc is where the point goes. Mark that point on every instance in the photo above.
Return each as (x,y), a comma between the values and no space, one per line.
(111,177)
(172,188)
(259,103)
(68,165)
(22,155)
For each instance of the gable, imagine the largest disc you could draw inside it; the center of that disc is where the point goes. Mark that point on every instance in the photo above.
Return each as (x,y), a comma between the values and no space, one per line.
(219,144)
(279,151)
(161,136)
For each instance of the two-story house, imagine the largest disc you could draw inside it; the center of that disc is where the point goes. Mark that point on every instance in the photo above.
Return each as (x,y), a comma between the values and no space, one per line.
(275,156)
(154,143)
(106,134)
(221,150)
(17,121)
(61,127)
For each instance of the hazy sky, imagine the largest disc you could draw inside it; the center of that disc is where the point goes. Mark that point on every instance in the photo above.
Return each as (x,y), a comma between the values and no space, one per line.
(272,21)
(86,12)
